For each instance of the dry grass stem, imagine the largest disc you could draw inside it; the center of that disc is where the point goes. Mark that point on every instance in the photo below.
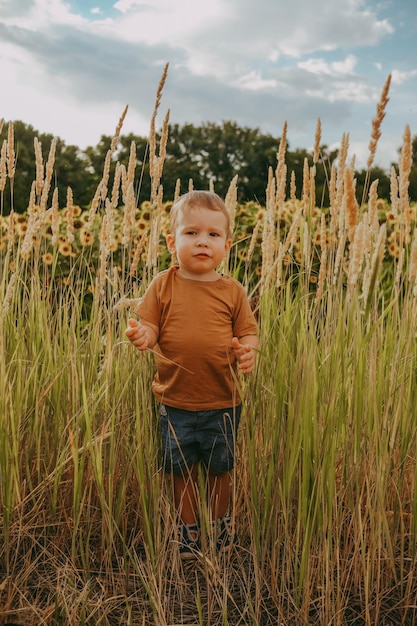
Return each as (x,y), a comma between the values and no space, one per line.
(406,161)
(39,166)
(158,161)
(282,149)
(321,281)
(317,140)
(373,207)
(154,165)
(281,189)
(131,166)
(293,186)
(357,252)
(116,186)
(372,272)
(3,163)
(412,271)
(11,156)
(8,295)
(268,234)
(231,201)
(394,191)
(110,211)
(105,178)
(177,191)
(55,221)
(34,223)
(306,187)
(128,215)
(350,203)
(377,121)
(116,136)
(49,170)
(140,246)
(70,216)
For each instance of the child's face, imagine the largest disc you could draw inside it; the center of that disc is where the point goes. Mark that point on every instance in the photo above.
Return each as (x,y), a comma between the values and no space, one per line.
(200,242)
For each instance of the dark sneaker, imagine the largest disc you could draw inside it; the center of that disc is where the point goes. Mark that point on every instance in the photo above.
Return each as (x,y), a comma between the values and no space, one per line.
(189,544)
(226,537)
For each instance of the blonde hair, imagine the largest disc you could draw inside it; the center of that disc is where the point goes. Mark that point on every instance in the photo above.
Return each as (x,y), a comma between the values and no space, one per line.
(198,200)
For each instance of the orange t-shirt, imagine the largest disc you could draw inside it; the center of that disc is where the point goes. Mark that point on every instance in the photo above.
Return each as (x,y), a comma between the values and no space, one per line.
(196,321)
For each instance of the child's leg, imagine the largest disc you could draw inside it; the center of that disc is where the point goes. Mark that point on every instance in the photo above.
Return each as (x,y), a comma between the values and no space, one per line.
(219,493)
(185,495)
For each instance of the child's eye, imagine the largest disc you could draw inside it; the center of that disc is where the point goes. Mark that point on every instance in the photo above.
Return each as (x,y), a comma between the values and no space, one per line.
(214,235)
(190,232)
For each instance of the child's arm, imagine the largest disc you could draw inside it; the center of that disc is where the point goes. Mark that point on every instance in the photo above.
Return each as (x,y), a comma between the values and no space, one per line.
(143,336)
(245,352)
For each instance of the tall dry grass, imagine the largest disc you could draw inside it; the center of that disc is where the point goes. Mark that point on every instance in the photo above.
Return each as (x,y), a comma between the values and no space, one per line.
(324,489)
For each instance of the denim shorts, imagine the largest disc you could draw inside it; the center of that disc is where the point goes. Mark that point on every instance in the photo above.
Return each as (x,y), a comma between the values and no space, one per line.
(191,437)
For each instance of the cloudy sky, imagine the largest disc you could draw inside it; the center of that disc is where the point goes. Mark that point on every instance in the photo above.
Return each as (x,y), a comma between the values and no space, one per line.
(69,67)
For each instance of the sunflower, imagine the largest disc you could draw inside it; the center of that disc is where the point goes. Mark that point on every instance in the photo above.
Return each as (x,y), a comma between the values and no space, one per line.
(47,258)
(21,228)
(65,249)
(394,249)
(86,237)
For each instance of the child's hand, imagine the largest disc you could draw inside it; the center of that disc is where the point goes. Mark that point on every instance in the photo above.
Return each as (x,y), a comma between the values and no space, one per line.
(245,355)
(137,334)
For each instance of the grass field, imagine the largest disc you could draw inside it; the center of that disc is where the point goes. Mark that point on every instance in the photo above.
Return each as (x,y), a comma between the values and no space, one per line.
(324,488)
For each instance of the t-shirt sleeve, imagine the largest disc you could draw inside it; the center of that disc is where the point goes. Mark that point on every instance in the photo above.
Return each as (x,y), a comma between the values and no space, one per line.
(244,322)
(149,309)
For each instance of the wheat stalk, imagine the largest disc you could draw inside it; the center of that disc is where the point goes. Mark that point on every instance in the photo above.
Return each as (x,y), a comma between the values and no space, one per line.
(406,162)
(70,216)
(377,121)
(11,156)
(115,139)
(3,162)
(394,191)
(231,201)
(55,217)
(268,233)
(116,186)
(357,251)
(177,191)
(281,171)
(48,175)
(128,215)
(412,269)
(8,295)
(34,223)
(306,186)
(136,255)
(293,186)
(317,139)
(39,166)
(131,166)
(155,163)
(350,203)
(373,207)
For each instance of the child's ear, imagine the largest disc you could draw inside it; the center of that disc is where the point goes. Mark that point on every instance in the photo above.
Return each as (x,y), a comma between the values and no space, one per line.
(170,243)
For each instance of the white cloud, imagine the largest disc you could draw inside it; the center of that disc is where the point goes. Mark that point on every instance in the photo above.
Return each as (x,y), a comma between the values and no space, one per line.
(254,81)
(399,77)
(332,68)
(259,63)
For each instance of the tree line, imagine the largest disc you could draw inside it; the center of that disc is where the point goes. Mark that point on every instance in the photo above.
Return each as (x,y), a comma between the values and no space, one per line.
(210,152)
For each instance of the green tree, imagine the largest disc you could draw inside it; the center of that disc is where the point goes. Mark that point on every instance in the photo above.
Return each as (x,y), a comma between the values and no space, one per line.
(69,168)
(216,153)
